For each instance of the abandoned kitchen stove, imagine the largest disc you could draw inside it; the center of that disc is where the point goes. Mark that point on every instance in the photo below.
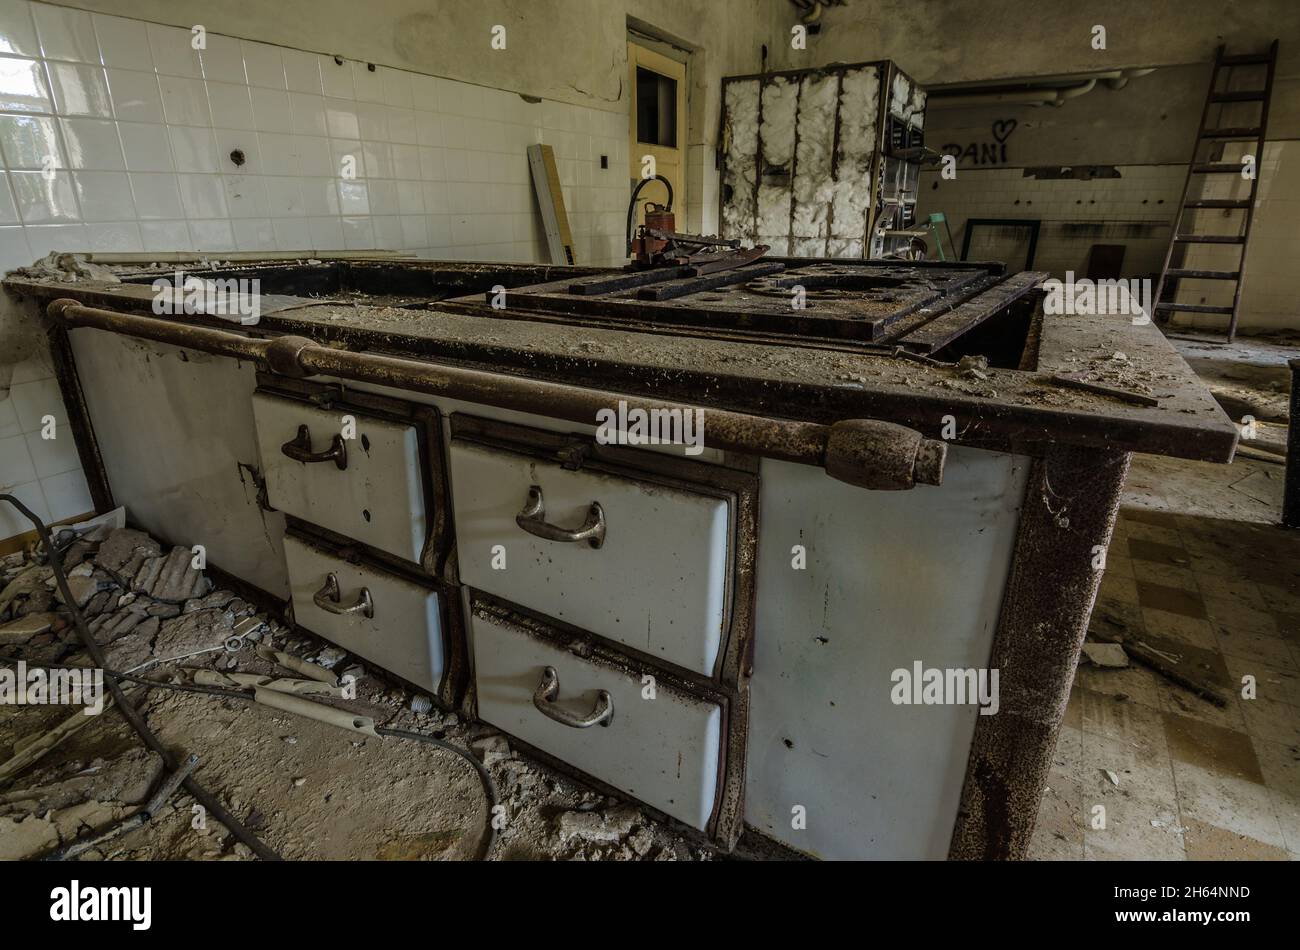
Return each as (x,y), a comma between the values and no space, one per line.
(889,479)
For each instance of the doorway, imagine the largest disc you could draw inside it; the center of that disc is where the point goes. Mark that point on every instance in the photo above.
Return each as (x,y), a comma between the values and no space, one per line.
(657,126)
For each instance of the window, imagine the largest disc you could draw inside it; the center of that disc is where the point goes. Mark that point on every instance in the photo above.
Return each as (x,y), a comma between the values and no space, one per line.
(656,108)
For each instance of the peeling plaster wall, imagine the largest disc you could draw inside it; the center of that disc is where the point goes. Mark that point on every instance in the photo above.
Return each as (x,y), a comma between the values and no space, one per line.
(937,41)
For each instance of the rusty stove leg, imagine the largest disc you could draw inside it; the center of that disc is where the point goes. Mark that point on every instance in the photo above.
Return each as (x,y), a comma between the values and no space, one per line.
(1070,506)
(83,433)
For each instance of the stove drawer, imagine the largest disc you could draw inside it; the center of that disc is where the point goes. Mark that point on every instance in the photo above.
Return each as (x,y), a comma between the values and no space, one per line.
(369,488)
(638,562)
(666,750)
(386,619)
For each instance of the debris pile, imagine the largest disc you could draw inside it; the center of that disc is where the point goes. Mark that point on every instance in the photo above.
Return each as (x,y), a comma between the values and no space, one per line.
(304,786)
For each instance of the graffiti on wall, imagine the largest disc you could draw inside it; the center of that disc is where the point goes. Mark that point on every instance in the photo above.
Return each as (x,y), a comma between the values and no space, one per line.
(985,152)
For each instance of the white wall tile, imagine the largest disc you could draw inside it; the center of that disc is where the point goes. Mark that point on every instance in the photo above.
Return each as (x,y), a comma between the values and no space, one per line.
(17,31)
(14,248)
(336,78)
(80,90)
(44,199)
(292,234)
(65,34)
(242,140)
(67,495)
(173,51)
(94,144)
(354,198)
(166,235)
(31,142)
(33,401)
(301,71)
(280,153)
(202,196)
(157,196)
(271,111)
(222,60)
(358,233)
(115,237)
(231,105)
(15,461)
(104,196)
(12,521)
(308,114)
(326,233)
(194,149)
(255,234)
(367,82)
(49,456)
(185,101)
(135,95)
(123,43)
(44,238)
(320,196)
(245,197)
(263,65)
(212,235)
(23,87)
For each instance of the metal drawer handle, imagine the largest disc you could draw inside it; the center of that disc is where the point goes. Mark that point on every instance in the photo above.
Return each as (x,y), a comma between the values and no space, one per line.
(327,598)
(300,449)
(548,691)
(533,520)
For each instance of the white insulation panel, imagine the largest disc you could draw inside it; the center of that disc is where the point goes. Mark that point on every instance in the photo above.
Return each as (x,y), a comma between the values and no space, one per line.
(799,154)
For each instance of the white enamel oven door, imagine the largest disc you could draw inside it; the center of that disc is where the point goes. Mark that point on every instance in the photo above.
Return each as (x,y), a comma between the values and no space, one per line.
(389,620)
(661,739)
(356,475)
(653,571)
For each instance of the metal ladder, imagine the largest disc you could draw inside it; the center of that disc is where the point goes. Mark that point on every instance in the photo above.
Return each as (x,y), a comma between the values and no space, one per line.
(1192,199)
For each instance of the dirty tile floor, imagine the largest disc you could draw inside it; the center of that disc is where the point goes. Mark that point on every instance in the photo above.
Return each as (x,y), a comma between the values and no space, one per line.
(1191,781)
(1198,569)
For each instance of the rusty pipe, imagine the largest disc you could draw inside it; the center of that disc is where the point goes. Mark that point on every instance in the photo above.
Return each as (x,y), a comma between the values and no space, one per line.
(867,453)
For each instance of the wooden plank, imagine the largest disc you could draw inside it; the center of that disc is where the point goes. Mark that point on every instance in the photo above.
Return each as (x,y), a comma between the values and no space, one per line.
(550,200)
(947,327)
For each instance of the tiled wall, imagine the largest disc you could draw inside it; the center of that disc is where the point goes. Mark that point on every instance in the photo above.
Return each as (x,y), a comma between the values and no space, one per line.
(1135,209)
(116,136)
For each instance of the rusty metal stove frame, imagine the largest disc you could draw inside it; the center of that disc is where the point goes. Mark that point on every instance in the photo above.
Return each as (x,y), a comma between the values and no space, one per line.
(1080,452)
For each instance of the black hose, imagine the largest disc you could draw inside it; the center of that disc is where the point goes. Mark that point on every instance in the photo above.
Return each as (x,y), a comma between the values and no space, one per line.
(201,794)
(631,205)
(489,787)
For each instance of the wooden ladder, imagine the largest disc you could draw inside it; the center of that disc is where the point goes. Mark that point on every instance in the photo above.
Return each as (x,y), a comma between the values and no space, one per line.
(1218,99)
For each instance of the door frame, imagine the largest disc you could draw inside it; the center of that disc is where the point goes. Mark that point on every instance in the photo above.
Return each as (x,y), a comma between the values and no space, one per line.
(641,53)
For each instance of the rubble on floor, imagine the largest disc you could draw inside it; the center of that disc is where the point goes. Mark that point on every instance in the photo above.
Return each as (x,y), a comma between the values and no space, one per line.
(308,790)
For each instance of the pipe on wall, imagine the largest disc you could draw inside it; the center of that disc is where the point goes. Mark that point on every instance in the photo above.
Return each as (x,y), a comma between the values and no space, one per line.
(1045,95)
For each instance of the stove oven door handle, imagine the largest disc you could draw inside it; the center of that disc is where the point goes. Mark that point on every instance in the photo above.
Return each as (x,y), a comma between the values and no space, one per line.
(328,597)
(533,520)
(299,449)
(548,691)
